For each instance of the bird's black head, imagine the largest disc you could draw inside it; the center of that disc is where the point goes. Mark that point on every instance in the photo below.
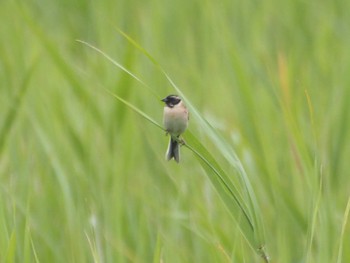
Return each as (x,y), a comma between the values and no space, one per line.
(171,100)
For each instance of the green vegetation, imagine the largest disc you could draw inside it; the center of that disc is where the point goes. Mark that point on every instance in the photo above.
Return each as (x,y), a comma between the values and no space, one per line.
(264,171)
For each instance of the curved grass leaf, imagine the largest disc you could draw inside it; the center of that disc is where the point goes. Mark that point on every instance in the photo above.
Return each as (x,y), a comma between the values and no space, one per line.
(227,151)
(137,110)
(242,203)
(115,63)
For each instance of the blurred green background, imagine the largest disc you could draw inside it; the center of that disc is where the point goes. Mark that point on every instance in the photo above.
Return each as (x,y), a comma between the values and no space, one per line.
(83,178)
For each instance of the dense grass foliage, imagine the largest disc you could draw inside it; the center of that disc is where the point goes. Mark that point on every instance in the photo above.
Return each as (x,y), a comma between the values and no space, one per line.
(82,171)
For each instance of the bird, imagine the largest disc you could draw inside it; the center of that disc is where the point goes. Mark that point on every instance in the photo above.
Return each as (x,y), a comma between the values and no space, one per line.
(175,121)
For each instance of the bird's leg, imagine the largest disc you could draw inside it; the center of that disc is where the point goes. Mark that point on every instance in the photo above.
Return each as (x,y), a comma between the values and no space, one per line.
(181,141)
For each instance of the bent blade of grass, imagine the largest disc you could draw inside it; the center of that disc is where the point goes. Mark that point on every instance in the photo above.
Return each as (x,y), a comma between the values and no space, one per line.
(227,151)
(228,192)
(138,46)
(115,63)
(230,155)
(137,110)
(251,227)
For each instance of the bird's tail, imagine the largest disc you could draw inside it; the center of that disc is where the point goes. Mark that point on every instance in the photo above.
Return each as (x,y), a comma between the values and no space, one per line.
(173,150)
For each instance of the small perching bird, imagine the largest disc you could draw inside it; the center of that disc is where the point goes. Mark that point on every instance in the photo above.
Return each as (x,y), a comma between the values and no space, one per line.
(175,120)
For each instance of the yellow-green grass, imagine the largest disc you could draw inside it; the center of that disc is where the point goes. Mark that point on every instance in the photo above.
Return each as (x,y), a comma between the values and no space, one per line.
(82,171)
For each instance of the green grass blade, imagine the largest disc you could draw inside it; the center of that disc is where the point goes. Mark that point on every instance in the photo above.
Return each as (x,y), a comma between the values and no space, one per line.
(12,114)
(93,249)
(227,191)
(138,46)
(137,110)
(157,257)
(251,225)
(59,60)
(115,63)
(313,222)
(35,254)
(253,211)
(11,249)
(341,239)
(229,153)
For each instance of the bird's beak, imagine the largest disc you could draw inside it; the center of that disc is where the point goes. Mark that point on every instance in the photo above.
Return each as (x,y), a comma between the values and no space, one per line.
(164,100)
